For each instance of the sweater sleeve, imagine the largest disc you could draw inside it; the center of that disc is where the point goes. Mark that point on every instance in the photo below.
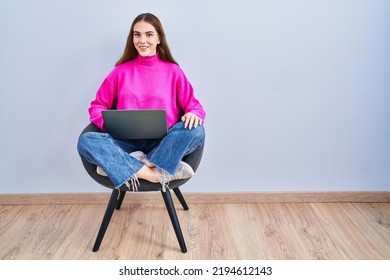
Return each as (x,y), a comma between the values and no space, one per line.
(186,97)
(105,99)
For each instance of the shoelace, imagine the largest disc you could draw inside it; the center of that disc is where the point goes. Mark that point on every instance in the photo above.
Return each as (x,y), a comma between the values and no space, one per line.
(133,183)
(162,175)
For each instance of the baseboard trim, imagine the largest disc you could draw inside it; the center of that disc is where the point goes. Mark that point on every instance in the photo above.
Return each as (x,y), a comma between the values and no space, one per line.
(215,198)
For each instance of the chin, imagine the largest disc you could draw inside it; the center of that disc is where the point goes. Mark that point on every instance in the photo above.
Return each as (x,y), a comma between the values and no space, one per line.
(145,52)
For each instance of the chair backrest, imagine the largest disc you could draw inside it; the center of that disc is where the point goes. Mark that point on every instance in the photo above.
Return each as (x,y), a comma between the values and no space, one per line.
(192,159)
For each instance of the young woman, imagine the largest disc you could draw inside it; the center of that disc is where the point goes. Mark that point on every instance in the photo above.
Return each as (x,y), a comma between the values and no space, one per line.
(145,77)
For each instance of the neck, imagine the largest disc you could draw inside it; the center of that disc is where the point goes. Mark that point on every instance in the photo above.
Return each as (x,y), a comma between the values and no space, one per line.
(147,60)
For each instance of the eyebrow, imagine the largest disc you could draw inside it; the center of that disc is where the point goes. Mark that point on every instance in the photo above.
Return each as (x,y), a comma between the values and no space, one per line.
(147,32)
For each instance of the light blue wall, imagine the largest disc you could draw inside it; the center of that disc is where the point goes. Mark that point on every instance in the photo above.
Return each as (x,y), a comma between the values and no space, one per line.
(297,92)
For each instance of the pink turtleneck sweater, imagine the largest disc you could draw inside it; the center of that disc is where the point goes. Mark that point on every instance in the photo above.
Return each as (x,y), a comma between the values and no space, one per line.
(146,83)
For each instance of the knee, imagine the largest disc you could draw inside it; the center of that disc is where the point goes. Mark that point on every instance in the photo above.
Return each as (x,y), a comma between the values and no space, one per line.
(196,133)
(85,142)
(199,132)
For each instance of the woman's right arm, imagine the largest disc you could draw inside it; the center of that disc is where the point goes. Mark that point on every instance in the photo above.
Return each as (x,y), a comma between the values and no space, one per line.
(105,99)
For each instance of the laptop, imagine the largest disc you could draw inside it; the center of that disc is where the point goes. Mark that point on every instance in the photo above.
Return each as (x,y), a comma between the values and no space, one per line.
(135,124)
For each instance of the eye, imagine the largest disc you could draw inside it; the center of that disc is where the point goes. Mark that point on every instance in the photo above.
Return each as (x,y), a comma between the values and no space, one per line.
(137,35)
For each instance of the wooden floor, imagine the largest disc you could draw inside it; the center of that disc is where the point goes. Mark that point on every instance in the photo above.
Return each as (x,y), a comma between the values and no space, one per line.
(242,231)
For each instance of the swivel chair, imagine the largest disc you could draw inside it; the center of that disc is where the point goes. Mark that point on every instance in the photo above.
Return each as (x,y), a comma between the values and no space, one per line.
(118,195)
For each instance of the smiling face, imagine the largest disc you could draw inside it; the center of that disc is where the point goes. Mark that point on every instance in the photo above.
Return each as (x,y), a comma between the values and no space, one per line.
(145,38)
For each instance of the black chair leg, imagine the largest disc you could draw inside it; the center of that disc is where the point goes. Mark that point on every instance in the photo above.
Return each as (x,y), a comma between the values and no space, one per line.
(106,219)
(175,221)
(181,198)
(121,197)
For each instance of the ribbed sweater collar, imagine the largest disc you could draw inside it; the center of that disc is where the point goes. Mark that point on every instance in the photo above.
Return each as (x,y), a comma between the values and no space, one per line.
(147,61)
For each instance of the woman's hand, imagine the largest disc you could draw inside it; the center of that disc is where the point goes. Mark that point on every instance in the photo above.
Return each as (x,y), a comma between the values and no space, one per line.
(191,120)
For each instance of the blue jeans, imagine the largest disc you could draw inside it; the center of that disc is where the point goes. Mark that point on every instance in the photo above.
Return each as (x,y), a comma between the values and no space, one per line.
(113,157)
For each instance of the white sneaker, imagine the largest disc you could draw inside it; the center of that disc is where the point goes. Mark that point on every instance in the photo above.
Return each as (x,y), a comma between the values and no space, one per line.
(101,172)
(141,157)
(138,155)
(184,171)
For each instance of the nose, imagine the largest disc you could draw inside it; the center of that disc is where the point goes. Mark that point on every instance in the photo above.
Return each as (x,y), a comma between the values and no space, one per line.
(142,39)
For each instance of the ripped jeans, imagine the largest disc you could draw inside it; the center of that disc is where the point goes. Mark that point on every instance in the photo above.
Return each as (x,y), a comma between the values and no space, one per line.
(113,157)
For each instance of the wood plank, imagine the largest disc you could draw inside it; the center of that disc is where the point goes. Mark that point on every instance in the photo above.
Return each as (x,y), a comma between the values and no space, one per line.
(247,228)
(372,221)
(198,198)
(212,231)
(315,237)
(346,233)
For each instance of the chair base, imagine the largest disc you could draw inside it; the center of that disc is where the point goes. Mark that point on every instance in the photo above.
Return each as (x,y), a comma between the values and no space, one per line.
(106,219)
(175,221)
(115,202)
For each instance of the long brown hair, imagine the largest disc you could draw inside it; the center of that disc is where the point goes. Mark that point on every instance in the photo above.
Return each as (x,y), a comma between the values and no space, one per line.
(130,51)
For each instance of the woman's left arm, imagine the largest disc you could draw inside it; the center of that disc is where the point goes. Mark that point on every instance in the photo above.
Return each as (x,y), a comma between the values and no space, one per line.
(193,111)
